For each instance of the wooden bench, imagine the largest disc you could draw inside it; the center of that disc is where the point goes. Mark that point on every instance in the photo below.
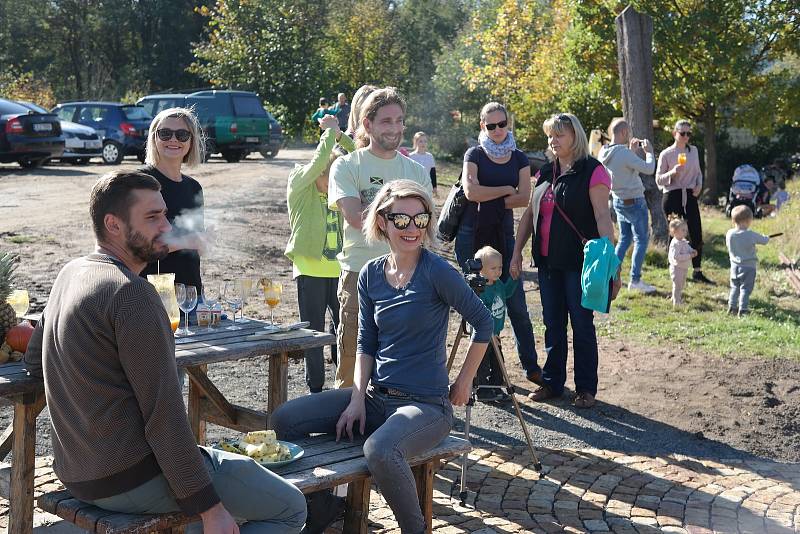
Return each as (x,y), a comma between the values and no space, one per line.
(325,464)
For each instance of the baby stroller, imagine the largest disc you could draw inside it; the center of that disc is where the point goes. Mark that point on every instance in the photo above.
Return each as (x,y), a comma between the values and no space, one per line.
(745,188)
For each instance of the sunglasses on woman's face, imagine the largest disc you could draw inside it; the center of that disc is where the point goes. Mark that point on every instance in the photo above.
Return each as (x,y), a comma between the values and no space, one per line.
(501,124)
(402,220)
(182,135)
(685,134)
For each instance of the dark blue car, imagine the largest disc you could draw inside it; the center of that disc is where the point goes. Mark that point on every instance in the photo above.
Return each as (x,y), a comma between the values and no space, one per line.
(122,127)
(26,137)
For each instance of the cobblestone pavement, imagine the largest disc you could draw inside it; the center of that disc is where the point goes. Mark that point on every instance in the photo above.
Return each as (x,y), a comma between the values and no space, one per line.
(592,490)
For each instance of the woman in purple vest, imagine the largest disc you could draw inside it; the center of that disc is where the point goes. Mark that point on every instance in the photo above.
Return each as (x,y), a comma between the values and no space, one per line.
(570,200)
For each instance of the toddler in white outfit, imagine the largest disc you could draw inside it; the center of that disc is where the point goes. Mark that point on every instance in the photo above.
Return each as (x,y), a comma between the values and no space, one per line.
(680,258)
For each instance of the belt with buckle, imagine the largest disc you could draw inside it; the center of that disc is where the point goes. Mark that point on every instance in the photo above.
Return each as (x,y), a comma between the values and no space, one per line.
(392,392)
(628,201)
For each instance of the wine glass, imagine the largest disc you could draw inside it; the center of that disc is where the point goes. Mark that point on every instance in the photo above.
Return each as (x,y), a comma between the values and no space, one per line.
(211,296)
(232,295)
(19,301)
(245,289)
(186,305)
(272,296)
(180,296)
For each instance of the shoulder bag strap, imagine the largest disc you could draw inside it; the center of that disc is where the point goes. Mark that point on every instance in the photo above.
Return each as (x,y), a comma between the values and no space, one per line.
(561,211)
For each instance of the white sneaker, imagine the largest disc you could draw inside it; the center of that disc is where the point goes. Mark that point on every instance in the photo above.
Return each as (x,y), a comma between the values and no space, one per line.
(641,286)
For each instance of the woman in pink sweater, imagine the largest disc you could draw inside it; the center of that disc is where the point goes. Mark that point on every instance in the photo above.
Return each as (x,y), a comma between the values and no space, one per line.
(679,176)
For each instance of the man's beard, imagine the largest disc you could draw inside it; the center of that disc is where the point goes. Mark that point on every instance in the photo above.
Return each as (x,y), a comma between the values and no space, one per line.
(385,144)
(144,250)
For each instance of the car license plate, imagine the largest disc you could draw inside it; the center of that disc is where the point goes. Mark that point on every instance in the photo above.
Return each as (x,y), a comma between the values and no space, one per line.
(73,143)
(251,139)
(42,127)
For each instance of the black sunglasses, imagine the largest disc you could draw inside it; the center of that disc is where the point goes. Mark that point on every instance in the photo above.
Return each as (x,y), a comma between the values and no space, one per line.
(501,124)
(402,220)
(563,118)
(685,134)
(182,135)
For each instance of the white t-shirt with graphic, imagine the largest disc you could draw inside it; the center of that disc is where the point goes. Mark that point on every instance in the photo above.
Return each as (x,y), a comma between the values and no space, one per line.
(361,174)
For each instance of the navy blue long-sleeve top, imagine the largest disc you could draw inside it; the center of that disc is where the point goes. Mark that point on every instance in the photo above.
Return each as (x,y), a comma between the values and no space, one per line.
(405,329)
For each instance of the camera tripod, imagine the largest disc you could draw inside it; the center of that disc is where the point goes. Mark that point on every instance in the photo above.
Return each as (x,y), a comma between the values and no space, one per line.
(537,465)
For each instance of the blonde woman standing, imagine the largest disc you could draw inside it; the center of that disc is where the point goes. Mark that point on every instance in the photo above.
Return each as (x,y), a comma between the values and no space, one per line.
(175,139)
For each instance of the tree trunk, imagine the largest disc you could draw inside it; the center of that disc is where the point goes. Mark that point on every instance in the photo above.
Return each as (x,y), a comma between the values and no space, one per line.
(710,139)
(635,60)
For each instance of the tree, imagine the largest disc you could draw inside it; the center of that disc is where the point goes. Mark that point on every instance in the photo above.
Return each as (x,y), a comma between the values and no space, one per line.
(269,47)
(714,59)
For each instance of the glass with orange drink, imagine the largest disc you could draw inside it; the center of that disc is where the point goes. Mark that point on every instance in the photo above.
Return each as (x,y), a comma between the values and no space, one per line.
(272,295)
(682,158)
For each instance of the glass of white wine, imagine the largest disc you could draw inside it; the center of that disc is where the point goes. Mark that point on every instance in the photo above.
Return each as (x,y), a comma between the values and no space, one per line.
(19,301)
(180,296)
(186,305)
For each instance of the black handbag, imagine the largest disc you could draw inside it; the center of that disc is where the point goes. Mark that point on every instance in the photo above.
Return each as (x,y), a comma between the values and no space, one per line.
(452,211)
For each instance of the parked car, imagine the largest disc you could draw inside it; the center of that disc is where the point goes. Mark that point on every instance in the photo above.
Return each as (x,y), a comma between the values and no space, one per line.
(234,122)
(122,127)
(81,142)
(275,138)
(26,137)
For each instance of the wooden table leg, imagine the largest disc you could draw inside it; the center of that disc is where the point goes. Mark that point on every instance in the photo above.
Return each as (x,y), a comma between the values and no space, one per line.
(195,411)
(22,468)
(278,389)
(423,474)
(357,512)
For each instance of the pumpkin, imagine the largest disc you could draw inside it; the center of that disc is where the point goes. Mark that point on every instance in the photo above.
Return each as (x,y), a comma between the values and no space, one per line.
(19,336)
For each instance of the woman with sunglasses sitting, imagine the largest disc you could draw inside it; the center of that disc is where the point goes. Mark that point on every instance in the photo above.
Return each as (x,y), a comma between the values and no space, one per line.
(569,204)
(174,139)
(401,396)
(497,178)
(679,175)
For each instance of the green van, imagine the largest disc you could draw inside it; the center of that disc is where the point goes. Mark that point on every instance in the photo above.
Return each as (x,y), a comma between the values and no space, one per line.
(234,122)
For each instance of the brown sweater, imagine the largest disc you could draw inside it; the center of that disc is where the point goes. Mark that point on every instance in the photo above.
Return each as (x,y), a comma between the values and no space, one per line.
(112,386)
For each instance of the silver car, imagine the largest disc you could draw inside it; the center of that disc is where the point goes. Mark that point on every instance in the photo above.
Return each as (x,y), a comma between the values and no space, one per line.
(81,142)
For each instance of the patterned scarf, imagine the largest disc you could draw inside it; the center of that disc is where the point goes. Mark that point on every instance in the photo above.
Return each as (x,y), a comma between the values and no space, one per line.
(497,151)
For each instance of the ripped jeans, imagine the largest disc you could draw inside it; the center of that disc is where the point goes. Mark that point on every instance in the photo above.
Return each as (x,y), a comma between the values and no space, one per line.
(398,428)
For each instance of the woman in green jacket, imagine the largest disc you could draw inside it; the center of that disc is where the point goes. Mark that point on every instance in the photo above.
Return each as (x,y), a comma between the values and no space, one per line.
(315,240)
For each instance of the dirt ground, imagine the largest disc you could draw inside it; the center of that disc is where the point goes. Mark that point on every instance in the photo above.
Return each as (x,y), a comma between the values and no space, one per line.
(750,405)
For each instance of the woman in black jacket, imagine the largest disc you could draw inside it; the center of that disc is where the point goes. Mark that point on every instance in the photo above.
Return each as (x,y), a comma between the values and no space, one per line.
(569,202)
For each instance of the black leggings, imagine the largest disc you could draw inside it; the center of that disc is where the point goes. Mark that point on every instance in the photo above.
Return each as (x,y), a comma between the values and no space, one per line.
(672,204)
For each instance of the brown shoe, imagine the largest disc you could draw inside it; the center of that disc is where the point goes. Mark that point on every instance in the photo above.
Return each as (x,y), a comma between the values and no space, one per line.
(542,393)
(584,399)
(535,377)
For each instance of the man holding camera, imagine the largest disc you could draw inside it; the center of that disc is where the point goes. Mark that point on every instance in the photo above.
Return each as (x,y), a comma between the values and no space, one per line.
(623,162)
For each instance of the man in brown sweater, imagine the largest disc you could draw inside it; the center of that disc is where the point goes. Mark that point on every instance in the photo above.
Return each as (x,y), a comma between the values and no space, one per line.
(121,438)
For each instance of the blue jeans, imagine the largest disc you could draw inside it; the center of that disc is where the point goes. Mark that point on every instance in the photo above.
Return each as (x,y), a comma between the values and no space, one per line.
(561,301)
(515,304)
(633,226)
(398,429)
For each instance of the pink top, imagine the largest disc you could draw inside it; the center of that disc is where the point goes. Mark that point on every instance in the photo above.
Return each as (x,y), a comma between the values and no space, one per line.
(547,206)
(690,176)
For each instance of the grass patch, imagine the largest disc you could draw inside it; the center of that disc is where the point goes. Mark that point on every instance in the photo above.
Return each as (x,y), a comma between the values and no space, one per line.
(22,239)
(772,329)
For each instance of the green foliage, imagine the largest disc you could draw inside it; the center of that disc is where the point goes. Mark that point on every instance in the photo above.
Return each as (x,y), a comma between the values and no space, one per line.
(25,87)
(269,47)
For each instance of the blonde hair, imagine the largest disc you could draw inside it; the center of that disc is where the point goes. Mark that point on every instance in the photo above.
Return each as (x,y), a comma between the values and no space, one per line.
(676,223)
(375,101)
(741,214)
(559,123)
(196,143)
(417,137)
(388,194)
(354,120)
(491,107)
(488,252)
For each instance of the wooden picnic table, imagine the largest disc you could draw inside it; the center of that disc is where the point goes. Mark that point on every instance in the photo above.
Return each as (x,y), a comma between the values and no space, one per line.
(206,402)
